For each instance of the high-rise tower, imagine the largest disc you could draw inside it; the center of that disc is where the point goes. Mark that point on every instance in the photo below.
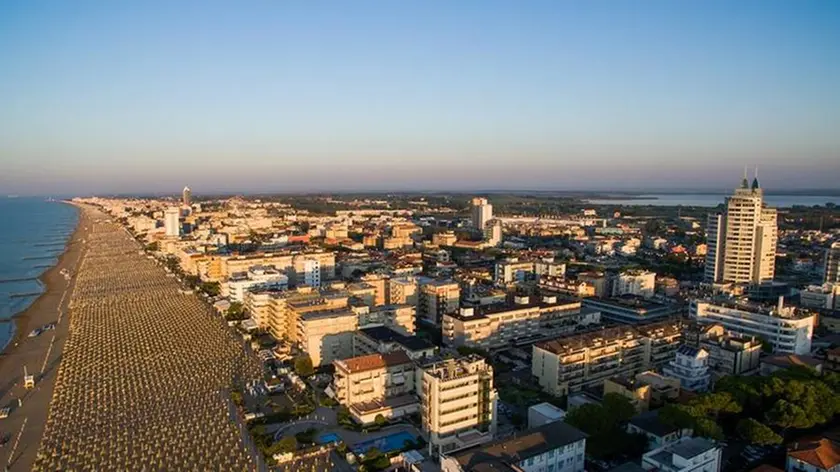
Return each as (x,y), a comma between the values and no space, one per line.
(482,212)
(742,239)
(186,196)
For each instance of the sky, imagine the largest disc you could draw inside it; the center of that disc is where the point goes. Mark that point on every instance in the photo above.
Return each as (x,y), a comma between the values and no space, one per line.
(104,97)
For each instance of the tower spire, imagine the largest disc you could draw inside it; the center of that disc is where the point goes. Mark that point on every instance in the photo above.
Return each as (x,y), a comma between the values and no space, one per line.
(755,180)
(745,182)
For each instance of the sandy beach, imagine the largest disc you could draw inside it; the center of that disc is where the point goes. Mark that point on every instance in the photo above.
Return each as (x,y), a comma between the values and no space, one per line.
(144,378)
(40,356)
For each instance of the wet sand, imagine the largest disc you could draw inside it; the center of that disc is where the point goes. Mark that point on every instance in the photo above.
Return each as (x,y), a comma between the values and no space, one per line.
(40,355)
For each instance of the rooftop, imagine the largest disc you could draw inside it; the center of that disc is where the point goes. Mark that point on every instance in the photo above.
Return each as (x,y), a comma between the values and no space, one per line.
(530,443)
(649,421)
(374,361)
(629,302)
(566,344)
(823,454)
(385,335)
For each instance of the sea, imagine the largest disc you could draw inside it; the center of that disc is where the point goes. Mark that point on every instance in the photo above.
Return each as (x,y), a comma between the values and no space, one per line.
(713,200)
(33,233)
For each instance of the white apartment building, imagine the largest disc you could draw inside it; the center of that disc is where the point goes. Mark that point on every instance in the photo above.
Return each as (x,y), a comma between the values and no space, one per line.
(554,447)
(685,455)
(513,270)
(635,282)
(482,213)
(493,233)
(832,264)
(376,384)
(172,222)
(821,296)
(787,329)
(458,403)
(312,272)
(257,277)
(742,240)
(691,367)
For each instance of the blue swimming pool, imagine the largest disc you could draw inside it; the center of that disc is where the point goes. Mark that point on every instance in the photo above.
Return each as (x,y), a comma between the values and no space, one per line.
(386,444)
(328,438)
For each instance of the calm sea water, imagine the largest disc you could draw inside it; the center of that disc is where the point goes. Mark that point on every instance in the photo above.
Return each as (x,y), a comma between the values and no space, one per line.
(713,200)
(33,234)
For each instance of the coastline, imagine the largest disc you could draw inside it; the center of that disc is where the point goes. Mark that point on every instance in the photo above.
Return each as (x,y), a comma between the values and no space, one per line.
(20,320)
(40,356)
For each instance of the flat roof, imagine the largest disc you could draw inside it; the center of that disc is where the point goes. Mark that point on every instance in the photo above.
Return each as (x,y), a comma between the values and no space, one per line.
(374,361)
(529,443)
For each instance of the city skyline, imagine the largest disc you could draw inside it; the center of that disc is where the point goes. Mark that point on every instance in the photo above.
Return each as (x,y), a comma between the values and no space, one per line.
(373,96)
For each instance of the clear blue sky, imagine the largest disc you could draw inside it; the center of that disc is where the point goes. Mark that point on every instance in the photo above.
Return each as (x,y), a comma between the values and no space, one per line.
(103,96)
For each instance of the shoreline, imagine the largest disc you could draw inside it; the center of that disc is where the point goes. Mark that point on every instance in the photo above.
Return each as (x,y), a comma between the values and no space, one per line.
(22,317)
(40,355)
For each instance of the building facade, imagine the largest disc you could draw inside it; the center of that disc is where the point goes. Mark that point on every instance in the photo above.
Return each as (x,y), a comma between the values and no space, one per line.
(831,267)
(641,283)
(482,213)
(691,367)
(572,363)
(741,242)
(172,222)
(458,403)
(685,455)
(436,298)
(787,329)
(376,384)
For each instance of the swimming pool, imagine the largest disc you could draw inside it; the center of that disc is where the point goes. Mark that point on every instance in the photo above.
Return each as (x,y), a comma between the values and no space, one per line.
(386,444)
(327,438)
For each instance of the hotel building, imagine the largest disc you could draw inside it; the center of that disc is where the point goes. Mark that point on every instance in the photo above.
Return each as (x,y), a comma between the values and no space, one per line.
(572,363)
(458,403)
(376,384)
(787,329)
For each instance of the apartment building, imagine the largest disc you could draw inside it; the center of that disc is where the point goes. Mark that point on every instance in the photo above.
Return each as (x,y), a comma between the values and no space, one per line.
(446,238)
(298,266)
(376,384)
(400,318)
(645,390)
(691,367)
(526,319)
(564,286)
(514,271)
(831,267)
(257,277)
(641,283)
(631,309)
(554,447)
(572,363)
(482,213)
(402,290)
(327,335)
(382,339)
(788,329)
(729,354)
(685,455)
(741,241)
(436,298)
(458,403)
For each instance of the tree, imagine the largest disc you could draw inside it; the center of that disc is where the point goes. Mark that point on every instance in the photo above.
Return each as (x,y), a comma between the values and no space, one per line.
(235,312)
(287,444)
(380,420)
(210,288)
(788,415)
(303,366)
(757,433)
(618,407)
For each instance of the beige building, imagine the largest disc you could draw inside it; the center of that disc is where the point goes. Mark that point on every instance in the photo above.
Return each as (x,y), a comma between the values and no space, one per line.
(376,384)
(527,318)
(437,297)
(399,318)
(646,390)
(572,363)
(482,213)
(327,335)
(446,238)
(742,240)
(403,290)
(458,403)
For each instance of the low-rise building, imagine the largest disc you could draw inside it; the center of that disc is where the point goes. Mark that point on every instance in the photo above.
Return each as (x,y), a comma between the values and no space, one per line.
(383,339)
(658,432)
(773,364)
(257,277)
(513,271)
(788,329)
(729,354)
(685,455)
(572,363)
(458,403)
(554,447)
(691,367)
(544,413)
(641,283)
(822,455)
(376,384)
(631,309)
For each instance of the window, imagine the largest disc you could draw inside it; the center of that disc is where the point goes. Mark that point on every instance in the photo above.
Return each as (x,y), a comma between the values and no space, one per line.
(551,452)
(531,461)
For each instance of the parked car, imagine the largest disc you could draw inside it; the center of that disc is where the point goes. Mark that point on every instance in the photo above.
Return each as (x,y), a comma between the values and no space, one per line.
(35,333)
(4,412)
